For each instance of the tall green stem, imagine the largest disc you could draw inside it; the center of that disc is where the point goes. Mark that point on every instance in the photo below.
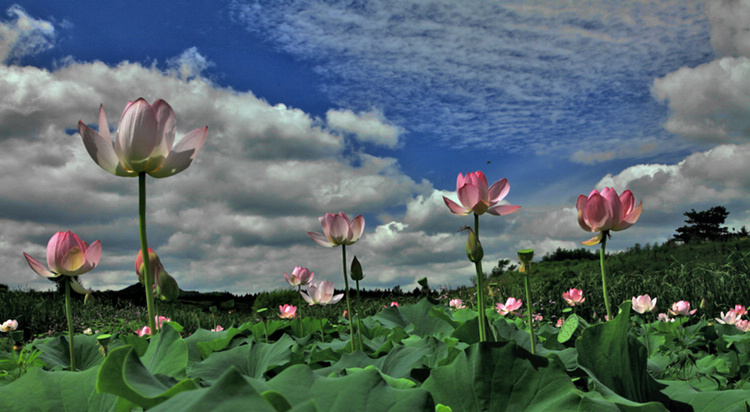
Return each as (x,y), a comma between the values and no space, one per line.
(69,316)
(149,277)
(604,275)
(346,295)
(480,288)
(526,275)
(359,321)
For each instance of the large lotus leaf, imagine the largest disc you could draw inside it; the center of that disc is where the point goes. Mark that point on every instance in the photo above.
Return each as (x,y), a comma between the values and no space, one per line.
(364,390)
(40,390)
(398,363)
(203,336)
(207,342)
(616,360)
(494,376)
(418,315)
(709,401)
(252,359)
(123,374)
(167,354)
(56,352)
(230,393)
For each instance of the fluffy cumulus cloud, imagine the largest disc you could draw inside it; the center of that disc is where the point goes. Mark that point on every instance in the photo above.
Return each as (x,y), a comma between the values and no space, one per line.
(368,126)
(189,64)
(24,35)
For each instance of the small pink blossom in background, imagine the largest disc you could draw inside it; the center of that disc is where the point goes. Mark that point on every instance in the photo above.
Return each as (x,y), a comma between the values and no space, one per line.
(476,197)
(511,306)
(574,297)
(345,315)
(218,328)
(9,325)
(644,303)
(681,308)
(663,317)
(605,211)
(288,311)
(740,310)
(537,317)
(338,230)
(730,318)
(300,276)
(144,331)
(743,325)
(321,294)
(560,322)
(392,304)
(457,304)
(160,320)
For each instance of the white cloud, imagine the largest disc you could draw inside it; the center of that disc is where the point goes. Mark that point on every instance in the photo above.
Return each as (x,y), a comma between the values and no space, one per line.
(368,126)
(730,27)
(24,35)
(189,64)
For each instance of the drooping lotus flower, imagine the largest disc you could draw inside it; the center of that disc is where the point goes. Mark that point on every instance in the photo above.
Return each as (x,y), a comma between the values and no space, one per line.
(321,294)
(9,325)
(165,286)
(511,306)
(287,311)
(144,141)
(338,230)
(605,211)
(643,304)
(681,308)
(574,297)
(68,255)
(300,276)
(476,197)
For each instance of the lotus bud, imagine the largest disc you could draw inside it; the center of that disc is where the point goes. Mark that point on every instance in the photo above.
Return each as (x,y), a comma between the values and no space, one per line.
(474,250)
(166,287)
(356,270)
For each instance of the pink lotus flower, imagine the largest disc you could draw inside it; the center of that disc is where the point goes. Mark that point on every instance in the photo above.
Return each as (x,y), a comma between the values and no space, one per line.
(560,322)
(300,276)
(338,230)
(143,143)
(740,310)
(9,325)
(395,304)
(68,255)
(143,331)
(154,262)
(743,325)
(574,297)
(218,328)
(288,312)
(730,318)
(663,317)
(321,295)
(160,320)
(476,197)
(605,211)
(457,304)
(511,306)
(644,303)
(681,308)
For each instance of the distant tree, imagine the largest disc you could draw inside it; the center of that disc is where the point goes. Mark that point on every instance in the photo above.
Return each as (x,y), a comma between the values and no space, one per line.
(503,265)
(704,225)
(564,254)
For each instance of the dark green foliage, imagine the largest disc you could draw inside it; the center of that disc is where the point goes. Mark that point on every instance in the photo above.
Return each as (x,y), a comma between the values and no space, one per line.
(704,225)
(560,255)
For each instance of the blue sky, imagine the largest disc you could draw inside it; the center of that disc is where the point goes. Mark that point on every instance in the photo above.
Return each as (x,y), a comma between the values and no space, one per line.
(372,109)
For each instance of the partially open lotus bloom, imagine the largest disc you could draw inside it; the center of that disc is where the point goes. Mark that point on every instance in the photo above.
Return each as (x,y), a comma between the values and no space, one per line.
(218,328)
(9,325)
(511,306)
(476,197)
(681,308)
(287,312)
(730,318)
(144,141)
(321,294)
(743,325)
(300,276)
(605,211)
(143,331)
(338,230)
(68,255)
(160,321)
(457,304)
(740,310)
(574,297)
(643,304)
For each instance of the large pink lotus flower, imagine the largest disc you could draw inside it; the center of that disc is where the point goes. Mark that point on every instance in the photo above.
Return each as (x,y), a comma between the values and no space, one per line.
(605,211)
(681,308)
(743,325)
(511,306)
(338,230)
(300,276)
(9,325)
(476,197)
(644,303)
(287,311)
(143,143)
(730,318)
(574,297)
(321,294)
(68,255)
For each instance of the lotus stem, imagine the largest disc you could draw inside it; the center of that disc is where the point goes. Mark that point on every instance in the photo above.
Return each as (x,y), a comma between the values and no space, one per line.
(346,295)
(527,273)
(480,288)
(602,252)
(149,279)
(69,316)
(359,321)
